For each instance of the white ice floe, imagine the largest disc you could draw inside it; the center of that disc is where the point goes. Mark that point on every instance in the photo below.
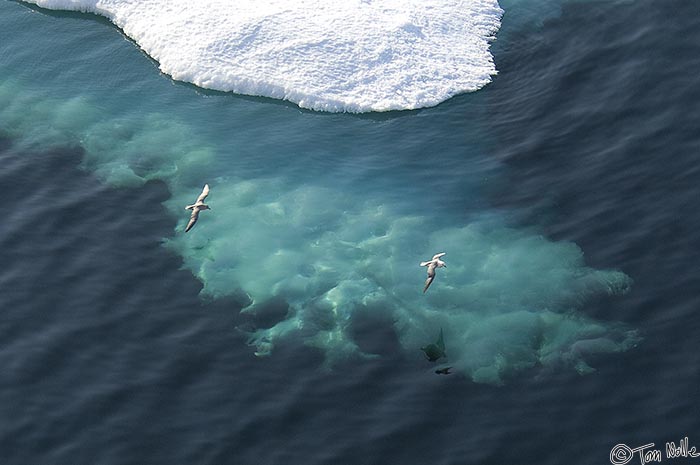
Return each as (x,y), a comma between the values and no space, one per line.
(354,56)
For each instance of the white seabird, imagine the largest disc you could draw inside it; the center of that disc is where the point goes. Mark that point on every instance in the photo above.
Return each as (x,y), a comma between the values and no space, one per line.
(435,262)
(197,207)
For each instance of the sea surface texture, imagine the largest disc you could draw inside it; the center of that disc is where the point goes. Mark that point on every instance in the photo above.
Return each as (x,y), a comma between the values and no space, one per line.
(550,148)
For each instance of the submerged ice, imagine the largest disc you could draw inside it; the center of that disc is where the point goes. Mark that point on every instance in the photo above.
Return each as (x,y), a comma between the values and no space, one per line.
(354,56)
(509,300)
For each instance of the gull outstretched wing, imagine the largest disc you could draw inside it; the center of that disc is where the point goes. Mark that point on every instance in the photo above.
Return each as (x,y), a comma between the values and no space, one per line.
(204,194)
(428,282)
(193,219)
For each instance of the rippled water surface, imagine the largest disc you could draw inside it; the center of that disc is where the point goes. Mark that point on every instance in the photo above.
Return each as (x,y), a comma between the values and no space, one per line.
(563,193)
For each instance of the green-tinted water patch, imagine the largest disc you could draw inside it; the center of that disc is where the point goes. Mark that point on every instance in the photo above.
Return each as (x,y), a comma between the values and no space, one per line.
(330,215)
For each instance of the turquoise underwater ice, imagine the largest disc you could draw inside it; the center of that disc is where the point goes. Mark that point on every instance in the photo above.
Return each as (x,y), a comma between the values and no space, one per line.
(286,225)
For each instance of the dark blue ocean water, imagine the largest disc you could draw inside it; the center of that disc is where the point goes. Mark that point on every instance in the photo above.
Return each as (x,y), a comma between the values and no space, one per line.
(588,135)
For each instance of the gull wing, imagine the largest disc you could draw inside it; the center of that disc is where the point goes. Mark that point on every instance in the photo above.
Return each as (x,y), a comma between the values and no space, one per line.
(204,194)
(428,282)
(193,219)
(438,255)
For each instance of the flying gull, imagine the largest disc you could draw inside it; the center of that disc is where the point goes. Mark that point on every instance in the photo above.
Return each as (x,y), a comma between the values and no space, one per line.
(197,207)
(435,262)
